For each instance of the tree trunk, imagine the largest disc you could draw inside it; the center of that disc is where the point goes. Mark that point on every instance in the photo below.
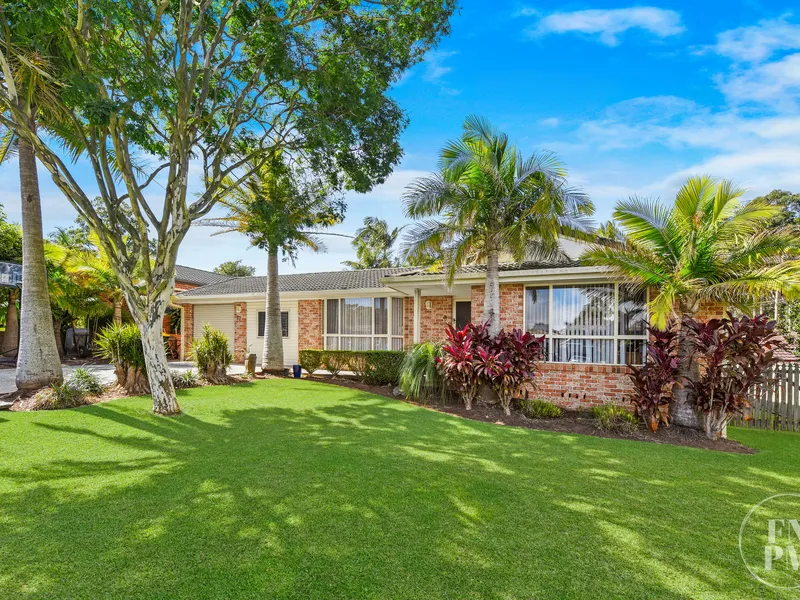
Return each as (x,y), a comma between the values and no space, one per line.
(59,339)
(491,299)
(272,356)
(38,363)
(681,408)
(117,311)
(11,336)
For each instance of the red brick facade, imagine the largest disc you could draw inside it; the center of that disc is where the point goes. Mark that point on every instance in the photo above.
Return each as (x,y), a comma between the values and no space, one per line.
(187,329)
(408,322)
(580,386)
(434,320)
(239,331)
(310,322)
(512,300)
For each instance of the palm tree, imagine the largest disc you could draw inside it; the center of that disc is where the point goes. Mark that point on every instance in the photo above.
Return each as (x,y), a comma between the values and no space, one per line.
(38,362)
(373,244)
(487,200)
(708,246)
(281,216)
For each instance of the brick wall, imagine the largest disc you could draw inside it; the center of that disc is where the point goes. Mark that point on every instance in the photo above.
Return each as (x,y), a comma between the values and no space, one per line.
(512,300)
(187,329)
(434,320)
(577,386)
(239,331)
(310,315)
(408,322)
(181,286)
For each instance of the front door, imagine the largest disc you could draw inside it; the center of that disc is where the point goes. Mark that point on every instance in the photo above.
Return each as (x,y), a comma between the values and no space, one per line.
(463,314)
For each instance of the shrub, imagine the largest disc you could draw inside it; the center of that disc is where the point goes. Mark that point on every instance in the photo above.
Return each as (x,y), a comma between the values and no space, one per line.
(212,355)
(376,367)
(507,362)
(615,418)
(183,380)
(122,345)
(66,395)
(653,381)
(420,376)
(736,353)
(539,409)
(335,361)
(85,381)
(458,364)
(311,360)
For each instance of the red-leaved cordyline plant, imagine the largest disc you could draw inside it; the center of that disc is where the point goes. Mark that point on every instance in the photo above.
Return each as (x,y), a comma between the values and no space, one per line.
(508,362)
(458,360)
(736,354)
(653,381)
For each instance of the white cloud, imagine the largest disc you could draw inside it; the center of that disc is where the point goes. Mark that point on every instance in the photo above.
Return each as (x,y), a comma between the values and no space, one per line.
(608,25)
(435,68)
(550,122)
(772,83)
(758,42)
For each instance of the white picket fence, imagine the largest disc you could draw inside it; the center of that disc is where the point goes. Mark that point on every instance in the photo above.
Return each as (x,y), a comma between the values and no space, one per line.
(776,406)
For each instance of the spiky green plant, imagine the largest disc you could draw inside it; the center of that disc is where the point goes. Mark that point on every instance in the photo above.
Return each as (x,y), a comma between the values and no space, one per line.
(420,378)
(709,245)
(212,354)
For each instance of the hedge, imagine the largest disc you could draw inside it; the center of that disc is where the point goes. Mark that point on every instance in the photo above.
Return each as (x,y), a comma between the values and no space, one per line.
(373,367)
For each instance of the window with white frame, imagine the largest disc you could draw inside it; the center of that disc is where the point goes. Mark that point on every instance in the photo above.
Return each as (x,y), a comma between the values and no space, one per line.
(364,323)
(262,323)
(602,323)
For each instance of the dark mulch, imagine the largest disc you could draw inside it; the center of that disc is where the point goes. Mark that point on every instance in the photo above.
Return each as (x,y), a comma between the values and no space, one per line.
(570,422)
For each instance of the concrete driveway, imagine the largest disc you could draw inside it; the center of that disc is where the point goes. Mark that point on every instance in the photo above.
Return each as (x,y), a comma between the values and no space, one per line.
(104,372)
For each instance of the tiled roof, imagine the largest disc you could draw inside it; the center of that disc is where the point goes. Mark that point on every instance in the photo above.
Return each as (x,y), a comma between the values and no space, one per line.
(197,276)
(301,282)
(480,269)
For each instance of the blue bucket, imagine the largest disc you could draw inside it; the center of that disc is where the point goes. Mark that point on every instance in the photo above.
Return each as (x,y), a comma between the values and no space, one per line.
(297,371)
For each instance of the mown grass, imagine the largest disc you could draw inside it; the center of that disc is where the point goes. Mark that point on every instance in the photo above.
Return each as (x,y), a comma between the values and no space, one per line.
(295,489)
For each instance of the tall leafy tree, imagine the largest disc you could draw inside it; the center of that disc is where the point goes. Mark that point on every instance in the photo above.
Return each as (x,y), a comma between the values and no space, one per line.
(33,98)
(373,244)
(789,202)
(235,268)
(10,250)
(709,245)
(208,86)
(281,212)
(487,200)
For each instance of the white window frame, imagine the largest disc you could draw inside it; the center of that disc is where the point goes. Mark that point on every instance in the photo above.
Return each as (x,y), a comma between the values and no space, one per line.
(550,336)
(260,333)
(388,336)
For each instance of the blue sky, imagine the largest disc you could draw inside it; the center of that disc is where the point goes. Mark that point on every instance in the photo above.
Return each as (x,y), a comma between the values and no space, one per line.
(632,97)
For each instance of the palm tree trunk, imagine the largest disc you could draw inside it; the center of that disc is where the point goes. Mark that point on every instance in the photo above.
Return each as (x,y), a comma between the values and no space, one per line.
(38,363)
(272,357)
(491,300)
(117,311)
(11,336)
(681,408)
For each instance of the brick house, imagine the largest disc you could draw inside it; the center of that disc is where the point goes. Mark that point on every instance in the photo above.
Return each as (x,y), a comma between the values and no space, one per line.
(593,326)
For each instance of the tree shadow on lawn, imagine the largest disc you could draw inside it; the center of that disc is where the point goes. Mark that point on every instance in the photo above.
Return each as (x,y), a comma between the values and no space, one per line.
(300,491)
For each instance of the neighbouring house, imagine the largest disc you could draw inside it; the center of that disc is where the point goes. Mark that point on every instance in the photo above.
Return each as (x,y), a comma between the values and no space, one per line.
(593,326)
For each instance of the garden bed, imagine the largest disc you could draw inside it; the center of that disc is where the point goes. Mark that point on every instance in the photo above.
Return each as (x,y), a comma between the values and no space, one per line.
(570,421)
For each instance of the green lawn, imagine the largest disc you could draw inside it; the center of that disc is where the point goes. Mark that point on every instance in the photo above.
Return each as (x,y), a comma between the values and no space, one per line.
(298,489)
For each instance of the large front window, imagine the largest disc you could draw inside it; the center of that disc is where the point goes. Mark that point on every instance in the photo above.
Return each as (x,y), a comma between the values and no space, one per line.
(364,324)
(597,323)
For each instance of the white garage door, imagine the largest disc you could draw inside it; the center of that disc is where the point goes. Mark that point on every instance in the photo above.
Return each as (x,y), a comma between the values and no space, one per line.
(219,316)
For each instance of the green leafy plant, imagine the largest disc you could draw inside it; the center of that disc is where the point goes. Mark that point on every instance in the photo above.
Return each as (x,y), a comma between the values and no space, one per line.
(58,396)
(335,361)
(86,381)
(615,418)
(377,367)
(212,355)
(539,409)
(183,380)
(420,376)
(311,360)
(122,345)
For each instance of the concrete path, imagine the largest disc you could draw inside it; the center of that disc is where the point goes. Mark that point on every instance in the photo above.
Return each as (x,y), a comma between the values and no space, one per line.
(104,372)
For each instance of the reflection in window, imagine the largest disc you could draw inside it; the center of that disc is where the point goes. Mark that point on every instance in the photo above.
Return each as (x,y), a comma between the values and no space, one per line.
(583,310)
